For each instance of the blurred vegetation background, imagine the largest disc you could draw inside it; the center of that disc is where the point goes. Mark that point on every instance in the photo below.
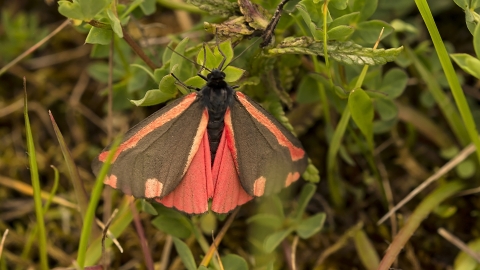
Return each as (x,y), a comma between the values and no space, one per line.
(369,147)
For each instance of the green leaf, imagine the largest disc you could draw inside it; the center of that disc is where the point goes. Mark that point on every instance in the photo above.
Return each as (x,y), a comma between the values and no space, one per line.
(115,23)
(159,73)
(208,223)
(347,52)
(464,261)
(70,10)
(148,7)
(468,63)
(383,126)
(370,30)
(445,210)
(167,53)
(347,19)
(99,36)
(137,80)
(144,68)
(210,62)
(267,220)
(366,250)
(221,8)
(310,226)
(178,63)
(167,85)
(339,4)
(272,241)
(234,262)
(361,107)
(365,7)
(227,50)
(311,13)
(90,8)
(233,74)
(82,10)
(100,70)
(308,89)
(462,3)
(386,108)
(394,83)
(195,81)
(166,91)
(174,224)
(466,169)
(476,40)
(148,208)
(341,32)
(307,192)
(185,254)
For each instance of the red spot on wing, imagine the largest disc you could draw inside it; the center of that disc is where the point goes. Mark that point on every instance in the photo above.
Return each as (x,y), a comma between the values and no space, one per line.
(229,192)
(192,194)
(111,180)
(259,186)
(156,123)
(296,153)
(153,188)
(291,177)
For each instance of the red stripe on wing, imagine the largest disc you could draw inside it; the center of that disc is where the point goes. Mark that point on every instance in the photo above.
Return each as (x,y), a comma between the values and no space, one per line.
(296,153)
(191,195)
(196,187)
(229,193)
(164,118)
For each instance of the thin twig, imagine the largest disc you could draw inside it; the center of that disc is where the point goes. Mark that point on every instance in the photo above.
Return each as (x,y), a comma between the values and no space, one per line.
(110,235)
(218,239)
(268,33)
(459,244)
(167,248)
(3,242)
(467,151)
(142,239)
(104,236)
(216,252)
(34,47)
(294,251)
(341,242)
(136,48)
(28,190)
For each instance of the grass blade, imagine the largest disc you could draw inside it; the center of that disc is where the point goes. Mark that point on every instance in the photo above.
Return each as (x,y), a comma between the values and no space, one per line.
(32,160)
(421,212)
(80,192)
(452,78)
(92,206)
(120,223)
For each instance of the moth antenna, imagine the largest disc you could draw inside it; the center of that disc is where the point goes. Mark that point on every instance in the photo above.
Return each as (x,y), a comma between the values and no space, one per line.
(238,56)
(189,60)
(184,85)
(220,67)
(199,73)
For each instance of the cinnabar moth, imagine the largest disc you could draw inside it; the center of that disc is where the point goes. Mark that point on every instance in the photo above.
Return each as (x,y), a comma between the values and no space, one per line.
(215,144)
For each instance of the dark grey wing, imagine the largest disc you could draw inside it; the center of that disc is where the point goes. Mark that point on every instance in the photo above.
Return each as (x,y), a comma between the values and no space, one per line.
(154,154)
(269,157)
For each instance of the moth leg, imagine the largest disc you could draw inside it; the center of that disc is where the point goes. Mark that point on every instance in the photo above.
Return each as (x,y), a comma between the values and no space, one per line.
(184,85)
